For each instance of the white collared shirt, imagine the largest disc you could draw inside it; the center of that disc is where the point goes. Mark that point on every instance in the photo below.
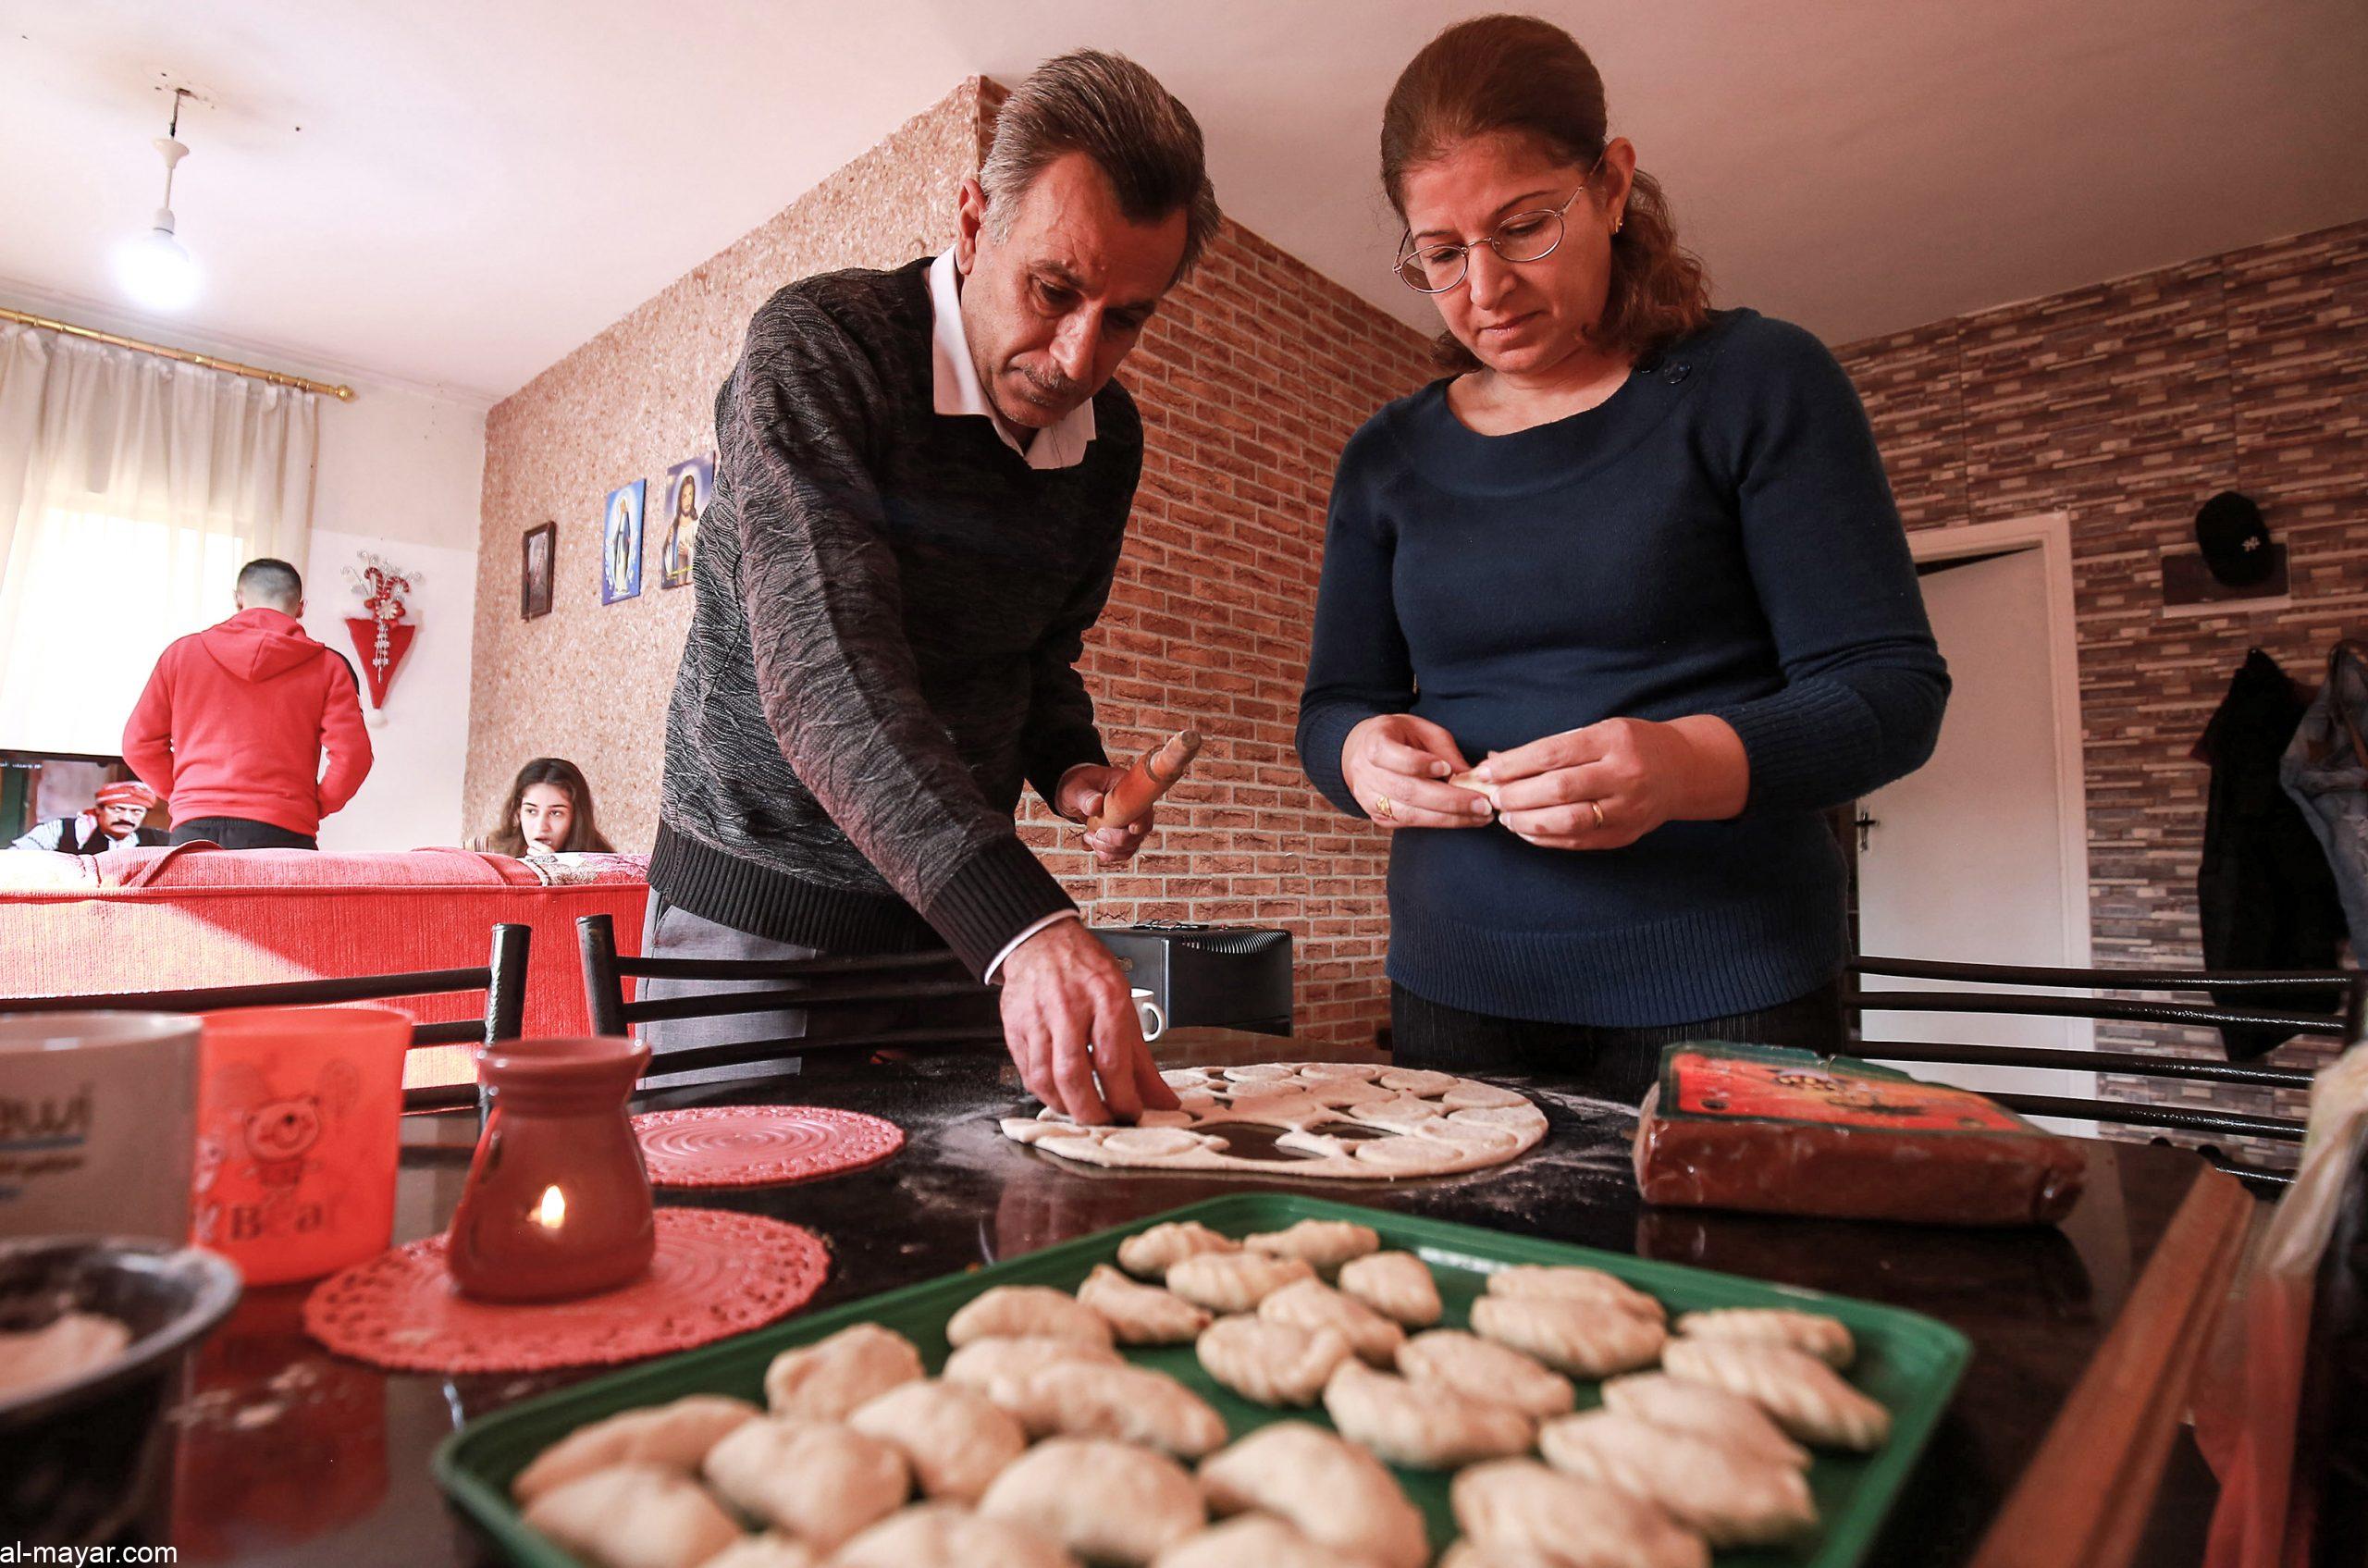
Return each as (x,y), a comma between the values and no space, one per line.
(956,390)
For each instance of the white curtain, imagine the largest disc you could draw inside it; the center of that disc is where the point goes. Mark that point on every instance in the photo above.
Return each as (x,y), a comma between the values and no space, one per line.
(132,489)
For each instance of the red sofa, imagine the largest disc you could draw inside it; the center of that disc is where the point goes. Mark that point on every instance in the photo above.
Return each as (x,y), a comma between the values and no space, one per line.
(156,919)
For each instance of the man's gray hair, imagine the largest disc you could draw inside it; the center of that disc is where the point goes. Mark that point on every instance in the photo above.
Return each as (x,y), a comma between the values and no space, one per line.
(266,581)
(1146,144)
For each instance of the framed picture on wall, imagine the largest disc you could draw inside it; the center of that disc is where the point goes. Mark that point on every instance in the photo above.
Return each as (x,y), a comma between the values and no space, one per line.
(682,502)
(535,571)
(620,543)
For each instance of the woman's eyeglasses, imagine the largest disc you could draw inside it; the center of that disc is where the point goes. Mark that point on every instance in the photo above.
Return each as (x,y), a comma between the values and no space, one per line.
(1525,236)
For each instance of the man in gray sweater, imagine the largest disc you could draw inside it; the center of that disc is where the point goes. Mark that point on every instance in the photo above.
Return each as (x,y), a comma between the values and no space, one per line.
(923,492)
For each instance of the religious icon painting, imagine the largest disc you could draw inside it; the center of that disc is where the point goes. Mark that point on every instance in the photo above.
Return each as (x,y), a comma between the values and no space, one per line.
(535,571)
(680,505)
(620,544)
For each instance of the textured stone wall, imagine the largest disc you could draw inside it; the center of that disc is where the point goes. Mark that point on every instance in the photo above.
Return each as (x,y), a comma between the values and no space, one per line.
(2125,404)
(1251,380)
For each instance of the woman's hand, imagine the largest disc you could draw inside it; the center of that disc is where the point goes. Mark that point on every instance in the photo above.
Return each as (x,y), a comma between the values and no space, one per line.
(1610,783)
(1396,765)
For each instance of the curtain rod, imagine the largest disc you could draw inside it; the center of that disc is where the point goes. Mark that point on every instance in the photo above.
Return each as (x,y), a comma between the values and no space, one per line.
(211,362)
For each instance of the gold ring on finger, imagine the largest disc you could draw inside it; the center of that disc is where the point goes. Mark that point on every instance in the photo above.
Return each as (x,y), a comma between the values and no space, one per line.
(1597,807)
(1383,808)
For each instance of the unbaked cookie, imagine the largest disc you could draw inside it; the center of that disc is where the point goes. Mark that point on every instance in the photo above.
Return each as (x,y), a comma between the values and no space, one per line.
(1587,1339)
(1227,1282)
(1311,1303)
(940,1535)
(1326,1244)
(1336,1493)
(826,1380)
(1140,1315)
(1730,1496)
(1279,1363)
(1108,1502)
(1807,1398)
(673,1436)
(1397,1285)
(1133,1404)
(956,1438)
(818,1480)
(634,1516)
(1518,1510)
(1484,1369)
(1427,1427)
(1150,1254)
(1570,1282)
(1035,1312)
(1824,1338)
(1703,1411)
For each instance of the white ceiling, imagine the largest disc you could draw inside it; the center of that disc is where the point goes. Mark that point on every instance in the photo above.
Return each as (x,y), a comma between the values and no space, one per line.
(478,187)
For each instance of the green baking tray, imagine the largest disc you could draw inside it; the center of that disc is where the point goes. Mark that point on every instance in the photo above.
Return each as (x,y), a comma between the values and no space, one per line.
(1907,1360)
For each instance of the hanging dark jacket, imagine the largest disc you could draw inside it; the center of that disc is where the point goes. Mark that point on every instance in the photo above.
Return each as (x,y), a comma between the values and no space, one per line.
(2267,898)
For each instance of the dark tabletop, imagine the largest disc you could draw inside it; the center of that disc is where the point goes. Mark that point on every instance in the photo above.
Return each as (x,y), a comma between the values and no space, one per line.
(285,1454)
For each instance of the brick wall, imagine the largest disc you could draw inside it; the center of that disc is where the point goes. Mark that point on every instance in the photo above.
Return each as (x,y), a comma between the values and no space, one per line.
(1251,380)
(2125,404)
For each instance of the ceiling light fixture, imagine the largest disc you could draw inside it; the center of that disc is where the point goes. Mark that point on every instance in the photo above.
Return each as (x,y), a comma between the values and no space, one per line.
(154,269)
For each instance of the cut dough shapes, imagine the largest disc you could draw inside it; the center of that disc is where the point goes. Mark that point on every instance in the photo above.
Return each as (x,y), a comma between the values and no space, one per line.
(1423,1429)
(1427,1124)
(1311,1303)
(956,1438)
(1486,1370)
(819,1481)
(1279,1364)
(941,1536)
(1703,1411)
(1569,1282)
(1106,1501)
(997,1367)
(1140,1315)
(1133,1404)
(672,1436)
(825,1380)
(1517,1511)
(1326,1243)
(1730,1496)
(1807,1398)
(1149,1254)
(1812,1333)
(1397,1285)
(1014,1311)
(1336,1493)
(634,1516)
(1227,1282)
(1585,1338)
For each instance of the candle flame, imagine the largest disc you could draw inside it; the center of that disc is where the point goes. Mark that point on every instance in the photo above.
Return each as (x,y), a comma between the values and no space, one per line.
(551,1213)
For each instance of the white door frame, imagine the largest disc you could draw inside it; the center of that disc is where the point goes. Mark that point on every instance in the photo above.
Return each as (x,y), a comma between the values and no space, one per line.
(2050,532)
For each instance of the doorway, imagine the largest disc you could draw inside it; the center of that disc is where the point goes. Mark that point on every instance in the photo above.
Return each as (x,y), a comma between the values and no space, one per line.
(1981,854)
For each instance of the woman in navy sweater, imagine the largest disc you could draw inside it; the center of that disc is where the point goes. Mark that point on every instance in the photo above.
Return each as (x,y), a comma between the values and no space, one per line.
(1638,561)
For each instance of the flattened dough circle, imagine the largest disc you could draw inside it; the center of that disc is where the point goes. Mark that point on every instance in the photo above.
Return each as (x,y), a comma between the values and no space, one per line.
(1427,1124)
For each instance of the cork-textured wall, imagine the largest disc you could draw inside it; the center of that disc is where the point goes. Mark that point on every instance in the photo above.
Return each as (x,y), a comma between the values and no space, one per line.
(1251,380)
(2125,404)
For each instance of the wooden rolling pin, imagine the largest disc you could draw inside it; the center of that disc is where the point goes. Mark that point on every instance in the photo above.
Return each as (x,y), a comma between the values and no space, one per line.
(1154,775)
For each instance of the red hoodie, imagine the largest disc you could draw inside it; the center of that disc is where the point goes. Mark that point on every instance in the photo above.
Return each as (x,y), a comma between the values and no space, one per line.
(235,719)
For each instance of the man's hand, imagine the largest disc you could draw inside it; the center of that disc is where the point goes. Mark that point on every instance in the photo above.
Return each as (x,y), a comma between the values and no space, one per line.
(1079,796)
(1396,766)
(1070,1020)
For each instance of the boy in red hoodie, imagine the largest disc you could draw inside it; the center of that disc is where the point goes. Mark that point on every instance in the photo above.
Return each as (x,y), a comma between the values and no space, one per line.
(232,726)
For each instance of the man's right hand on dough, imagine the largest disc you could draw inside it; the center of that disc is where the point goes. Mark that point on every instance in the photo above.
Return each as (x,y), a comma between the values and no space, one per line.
(1069,1022)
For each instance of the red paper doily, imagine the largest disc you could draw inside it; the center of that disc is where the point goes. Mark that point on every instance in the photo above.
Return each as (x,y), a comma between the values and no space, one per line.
(716,1274)
(760,1145)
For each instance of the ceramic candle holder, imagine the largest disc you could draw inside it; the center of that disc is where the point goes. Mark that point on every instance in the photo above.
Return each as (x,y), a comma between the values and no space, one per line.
(558,1202)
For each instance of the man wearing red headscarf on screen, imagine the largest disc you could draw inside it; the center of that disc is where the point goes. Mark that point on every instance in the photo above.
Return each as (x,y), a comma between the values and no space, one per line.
(111,822)
(234,720)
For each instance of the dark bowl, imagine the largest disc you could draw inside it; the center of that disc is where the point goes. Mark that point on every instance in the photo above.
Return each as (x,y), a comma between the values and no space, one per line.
(79,1458)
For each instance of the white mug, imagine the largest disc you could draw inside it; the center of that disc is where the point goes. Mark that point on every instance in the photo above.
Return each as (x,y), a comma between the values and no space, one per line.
(1154,1022)
(98,1124)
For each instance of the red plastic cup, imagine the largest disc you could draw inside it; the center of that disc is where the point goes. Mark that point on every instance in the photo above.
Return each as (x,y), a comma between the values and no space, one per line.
(299,1128)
